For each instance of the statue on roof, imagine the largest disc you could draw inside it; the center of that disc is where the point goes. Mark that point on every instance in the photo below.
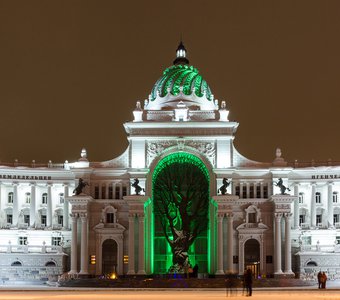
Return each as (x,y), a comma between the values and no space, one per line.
(283,188)
(80,188)
(224,187)
(137,187)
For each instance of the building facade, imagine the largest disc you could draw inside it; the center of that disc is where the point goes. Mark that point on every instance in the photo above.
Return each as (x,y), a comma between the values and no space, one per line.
(114,225)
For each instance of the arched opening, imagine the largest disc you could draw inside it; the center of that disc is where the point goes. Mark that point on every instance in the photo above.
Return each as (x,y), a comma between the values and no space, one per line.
(50,264)
(252,256)
(181,205)
(109,257)
(16,264)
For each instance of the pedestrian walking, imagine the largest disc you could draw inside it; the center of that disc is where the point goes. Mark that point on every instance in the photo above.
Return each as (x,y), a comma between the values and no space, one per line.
(323,280)
(248,281)
(319,279)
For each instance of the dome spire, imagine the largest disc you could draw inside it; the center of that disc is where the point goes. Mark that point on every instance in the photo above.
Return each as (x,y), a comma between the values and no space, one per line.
(181,53)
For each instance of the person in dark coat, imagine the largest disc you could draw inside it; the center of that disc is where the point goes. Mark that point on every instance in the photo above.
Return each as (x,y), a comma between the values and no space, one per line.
(195,271)
(248,281)
(319,279)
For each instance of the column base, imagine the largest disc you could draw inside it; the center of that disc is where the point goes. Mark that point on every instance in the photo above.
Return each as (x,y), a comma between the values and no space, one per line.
(131,273)
(141,272)
(82,273)
(72,272)
(289,274)
(219,272)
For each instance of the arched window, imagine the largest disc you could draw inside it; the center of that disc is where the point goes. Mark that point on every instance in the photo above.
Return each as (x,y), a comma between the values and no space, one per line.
(10,197)
(16,264)
(301,197)
(335,197)
(28,198)
(317,197)
(61,198)
(44,198)
(50,264)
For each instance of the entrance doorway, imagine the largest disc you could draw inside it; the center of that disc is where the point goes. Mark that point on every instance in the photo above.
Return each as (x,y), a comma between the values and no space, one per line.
(109,257)
(252,256)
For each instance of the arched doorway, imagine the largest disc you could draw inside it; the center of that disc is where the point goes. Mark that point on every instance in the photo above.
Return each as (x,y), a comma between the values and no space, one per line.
(109,257)
(181,205)
(252,256)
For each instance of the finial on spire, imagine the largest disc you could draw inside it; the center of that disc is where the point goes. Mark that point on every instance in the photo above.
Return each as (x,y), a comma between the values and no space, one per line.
(181,53)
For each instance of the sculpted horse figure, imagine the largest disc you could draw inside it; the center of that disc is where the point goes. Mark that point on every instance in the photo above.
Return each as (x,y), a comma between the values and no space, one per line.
(283,188)
(137,187)
(80,188)
(223,188)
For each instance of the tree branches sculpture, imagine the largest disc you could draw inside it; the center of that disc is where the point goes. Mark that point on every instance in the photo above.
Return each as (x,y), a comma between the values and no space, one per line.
(181,199)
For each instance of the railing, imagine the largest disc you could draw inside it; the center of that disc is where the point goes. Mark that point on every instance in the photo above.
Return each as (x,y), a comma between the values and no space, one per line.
(32,165)
(30,249)
(319,248)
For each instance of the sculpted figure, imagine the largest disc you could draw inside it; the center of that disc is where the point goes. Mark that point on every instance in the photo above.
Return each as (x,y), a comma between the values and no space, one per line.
(223,188)
(283,188)
(81,185)
(137,187)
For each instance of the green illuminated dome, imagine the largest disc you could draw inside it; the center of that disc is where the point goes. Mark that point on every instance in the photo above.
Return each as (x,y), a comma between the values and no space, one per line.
(181,78)
(181,83)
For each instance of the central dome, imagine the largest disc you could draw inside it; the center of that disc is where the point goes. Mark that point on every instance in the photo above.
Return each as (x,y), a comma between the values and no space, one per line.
(181,84)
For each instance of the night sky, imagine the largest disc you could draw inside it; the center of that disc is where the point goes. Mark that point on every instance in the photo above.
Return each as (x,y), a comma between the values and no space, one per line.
(72,71)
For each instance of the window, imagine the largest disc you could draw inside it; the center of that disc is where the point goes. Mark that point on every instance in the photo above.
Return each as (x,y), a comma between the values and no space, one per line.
(265,192)
(109,218)
(335,197)
(318,219)
(110,192)
(237,191)
(301,197)
(43,220)
(252,218)
(337,240)
(269,259)
(124,191)
(28,198)
(22,240)
(27,219)
(317,197)
(10,197)
(251,192)
(44,198)
(244,191)
(96,192)
(336,218)
(258,191)
(301,219)
(56,240)
(103,191)
(10,219)
(61,198)
(117,193)
(61,220)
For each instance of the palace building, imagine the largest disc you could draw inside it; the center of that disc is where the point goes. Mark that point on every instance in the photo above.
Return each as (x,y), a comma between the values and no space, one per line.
(280,219)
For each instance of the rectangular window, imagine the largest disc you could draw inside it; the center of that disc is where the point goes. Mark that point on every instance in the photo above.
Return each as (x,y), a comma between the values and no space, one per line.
(252,218)
(244,192)
(317,197)
(318,219)
(10,197)
(44,198)
(117,193)
(22,240)
(43,220)
(96,192)
(103,191)
(269,259)
(301,198)
(237,191)
(61,220)
(56,240)
(124,191)
(27,219)
(251,192)
(258,191)
(9,219)
(109,218)
(265,192)
(110,192)
(335,197)
(61,198)
(301,219)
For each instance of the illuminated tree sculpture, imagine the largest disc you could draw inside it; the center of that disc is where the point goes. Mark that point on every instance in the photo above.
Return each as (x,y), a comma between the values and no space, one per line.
(181,199)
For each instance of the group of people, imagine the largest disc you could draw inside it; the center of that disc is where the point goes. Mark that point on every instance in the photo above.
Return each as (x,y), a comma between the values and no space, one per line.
(322,278)
(231,282)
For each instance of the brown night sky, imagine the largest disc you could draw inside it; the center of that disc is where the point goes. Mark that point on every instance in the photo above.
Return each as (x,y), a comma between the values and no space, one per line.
(72,71)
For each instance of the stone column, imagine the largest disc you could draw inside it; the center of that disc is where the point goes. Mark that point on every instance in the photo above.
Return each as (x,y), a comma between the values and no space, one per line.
(277,244)
(33,205)
(313,208)
(230,244)
(247,190)
(296,206)
(241,190)
(131,267)
(220,244)
(330,210)
(49,206)
(74,242)
(15,204)
(255,190)
(288,245)
(141,254)
(84,266)
(66,208)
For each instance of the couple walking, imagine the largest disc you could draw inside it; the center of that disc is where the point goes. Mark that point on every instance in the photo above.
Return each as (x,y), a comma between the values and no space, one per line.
(322,278)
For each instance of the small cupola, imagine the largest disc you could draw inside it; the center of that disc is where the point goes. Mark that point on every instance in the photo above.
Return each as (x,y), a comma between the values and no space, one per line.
(181,53)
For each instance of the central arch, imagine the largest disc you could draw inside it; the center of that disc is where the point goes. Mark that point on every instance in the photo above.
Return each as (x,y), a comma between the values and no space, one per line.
(252,256)
(109,257)
(181,204)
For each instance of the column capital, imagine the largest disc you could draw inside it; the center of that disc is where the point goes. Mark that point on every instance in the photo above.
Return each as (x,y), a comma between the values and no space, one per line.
(278,216)
(141,216)
(330,183)
(15,183)
(132,215)
(230,216)
(83,216)
(220,216)
(74,216)
(288,215)
(33,184)
(313,184)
